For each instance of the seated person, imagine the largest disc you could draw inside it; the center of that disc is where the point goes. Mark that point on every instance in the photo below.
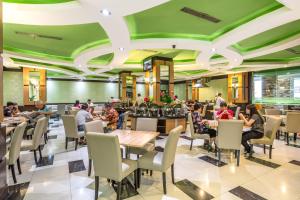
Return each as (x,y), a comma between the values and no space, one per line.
(224,112)
(83,116)
(15,110)
(77,104)
(42,108)
(200,125)
(257,126)
(111,115)
(8,110)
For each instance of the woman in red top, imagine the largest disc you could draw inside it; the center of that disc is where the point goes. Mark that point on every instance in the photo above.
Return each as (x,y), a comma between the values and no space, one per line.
(224,112)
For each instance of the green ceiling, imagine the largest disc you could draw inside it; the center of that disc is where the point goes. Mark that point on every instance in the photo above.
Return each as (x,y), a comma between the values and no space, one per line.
(280,56)
(36,1)
(269,37)
(102,60)
(73,39)
(178,55)
(167,21)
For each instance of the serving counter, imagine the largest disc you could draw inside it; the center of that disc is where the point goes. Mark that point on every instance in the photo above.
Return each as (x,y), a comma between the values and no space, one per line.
(164,125)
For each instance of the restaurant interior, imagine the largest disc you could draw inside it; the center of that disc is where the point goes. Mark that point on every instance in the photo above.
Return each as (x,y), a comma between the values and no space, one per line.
(154,100)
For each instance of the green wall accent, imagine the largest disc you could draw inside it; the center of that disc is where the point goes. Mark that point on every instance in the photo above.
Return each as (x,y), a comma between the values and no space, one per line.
(179,90)
(37,1)
(167,21)
(215,86)
(69,91)
(74,37)
(13,87)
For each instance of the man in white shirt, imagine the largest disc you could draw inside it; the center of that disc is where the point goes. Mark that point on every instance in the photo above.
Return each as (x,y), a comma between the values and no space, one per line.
(139,99)
(82,117)
(90,103)
(219,100)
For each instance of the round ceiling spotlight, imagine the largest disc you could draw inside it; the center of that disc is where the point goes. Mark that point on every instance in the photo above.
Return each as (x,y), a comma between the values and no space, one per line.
(121,48)
(105,12)
(213,49)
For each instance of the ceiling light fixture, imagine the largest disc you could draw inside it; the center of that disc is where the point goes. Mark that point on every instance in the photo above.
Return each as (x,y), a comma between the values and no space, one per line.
(213,49)
(105,12)
(121,48)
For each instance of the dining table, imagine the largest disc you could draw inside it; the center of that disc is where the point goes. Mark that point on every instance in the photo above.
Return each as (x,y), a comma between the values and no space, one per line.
(214,125)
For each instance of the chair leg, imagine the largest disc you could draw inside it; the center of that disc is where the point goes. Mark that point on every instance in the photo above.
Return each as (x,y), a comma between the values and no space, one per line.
(19,166)
(76,144)
(235,154)
(295,137)
(264,149)
(172,173)
(45,138)
(151,172)
(219,156)
(66,143)
(191,146)
(287,138)
(90,167)
(12,168)
(238,155)
(136,179)
(139,177)
(119,190)
(96,187)
(164,182)
(270,151)
(40,152)
(35,158)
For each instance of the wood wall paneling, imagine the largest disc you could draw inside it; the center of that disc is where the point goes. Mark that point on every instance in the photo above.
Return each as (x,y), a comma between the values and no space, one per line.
(243,88)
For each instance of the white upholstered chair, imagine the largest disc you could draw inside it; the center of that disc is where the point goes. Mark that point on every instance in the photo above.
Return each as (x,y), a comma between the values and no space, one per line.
(125,119)
(270,129)
(106,155)
(35,143)
(95,126)
(71,129)
(292,125)
(230,137)
(13,155)
(162,161)
(195,136)
(272,111)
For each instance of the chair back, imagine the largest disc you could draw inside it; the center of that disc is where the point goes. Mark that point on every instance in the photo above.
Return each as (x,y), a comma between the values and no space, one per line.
(70,126)
(15,145)
(61,109)
(272,111)
(94,126)
(73,112)
(146,124)
(38,132)
(190,119)
(271,127)
(106,155)
(45,129)
(292,122)
(125,119)
(170,148)
(237,112)
(230,134)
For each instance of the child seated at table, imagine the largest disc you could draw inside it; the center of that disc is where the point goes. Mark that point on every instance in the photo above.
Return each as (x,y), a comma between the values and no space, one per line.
(224,112)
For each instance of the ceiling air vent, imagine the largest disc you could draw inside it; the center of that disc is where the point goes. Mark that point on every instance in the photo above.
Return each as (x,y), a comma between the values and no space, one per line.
(35,35)
(294,51)
(201,15)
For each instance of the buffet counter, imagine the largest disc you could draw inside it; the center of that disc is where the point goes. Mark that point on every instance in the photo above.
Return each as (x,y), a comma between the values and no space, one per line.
(165,123)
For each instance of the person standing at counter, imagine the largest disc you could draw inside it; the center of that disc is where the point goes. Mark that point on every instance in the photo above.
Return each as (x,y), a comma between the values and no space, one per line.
(224,112)
(77,104)
(257,126)
(111,115)
(139,99)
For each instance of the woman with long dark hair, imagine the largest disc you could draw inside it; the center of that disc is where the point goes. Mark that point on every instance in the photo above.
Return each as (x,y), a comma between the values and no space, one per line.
(257,126)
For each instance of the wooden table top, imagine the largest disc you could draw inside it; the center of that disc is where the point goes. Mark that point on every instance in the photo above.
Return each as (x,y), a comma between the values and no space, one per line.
(132,138)
(214,124)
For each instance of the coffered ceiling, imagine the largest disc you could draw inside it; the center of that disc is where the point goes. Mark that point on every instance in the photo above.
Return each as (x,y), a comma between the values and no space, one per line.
(99,38)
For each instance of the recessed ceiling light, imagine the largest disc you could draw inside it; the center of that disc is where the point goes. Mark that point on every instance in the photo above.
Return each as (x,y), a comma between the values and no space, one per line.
(121,48)
(105,12)
(235,60)
(213,49)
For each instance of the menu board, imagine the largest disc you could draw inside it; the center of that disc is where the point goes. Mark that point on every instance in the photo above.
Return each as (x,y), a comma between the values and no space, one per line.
(269,86)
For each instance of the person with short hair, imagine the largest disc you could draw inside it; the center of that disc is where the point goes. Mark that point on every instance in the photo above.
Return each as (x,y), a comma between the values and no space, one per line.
(224,112)
(257,126)
(83,116)
(219,100)
(15,110)
(111,115)
(139,99)
(90,103)
(77,104)
(8,110)
(176,100)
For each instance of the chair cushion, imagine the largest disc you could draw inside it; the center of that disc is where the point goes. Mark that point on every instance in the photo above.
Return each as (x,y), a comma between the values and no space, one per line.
(151,160)
(128,166)
(26,145)
(263,140)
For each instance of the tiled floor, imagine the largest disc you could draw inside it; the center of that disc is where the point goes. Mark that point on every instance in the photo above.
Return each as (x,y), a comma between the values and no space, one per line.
(66,177)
